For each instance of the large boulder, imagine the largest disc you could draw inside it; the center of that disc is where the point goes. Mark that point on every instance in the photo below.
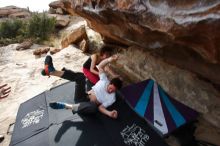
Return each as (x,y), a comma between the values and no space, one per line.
(61,20)
(57,4)
(175,43)
(187,29)
(74,37)
(61,7)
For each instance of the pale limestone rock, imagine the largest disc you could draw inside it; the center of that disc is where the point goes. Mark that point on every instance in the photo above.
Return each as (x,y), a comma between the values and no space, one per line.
(61,20)
(74,36)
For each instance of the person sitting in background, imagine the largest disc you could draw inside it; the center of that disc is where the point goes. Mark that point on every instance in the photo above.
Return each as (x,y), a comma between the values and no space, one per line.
(4,92)
(101,96)
(1,138)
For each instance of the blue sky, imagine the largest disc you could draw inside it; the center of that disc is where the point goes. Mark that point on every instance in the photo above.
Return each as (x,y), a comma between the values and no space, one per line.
(34,5)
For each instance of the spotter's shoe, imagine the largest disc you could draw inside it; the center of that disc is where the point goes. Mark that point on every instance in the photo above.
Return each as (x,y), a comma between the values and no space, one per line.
(57,105)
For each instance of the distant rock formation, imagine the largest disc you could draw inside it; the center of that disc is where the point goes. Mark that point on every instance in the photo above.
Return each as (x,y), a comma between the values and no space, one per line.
(14,12)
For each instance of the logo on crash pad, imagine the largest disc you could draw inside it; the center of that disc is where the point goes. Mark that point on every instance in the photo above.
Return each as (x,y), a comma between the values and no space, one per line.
(32,118)
(134,135)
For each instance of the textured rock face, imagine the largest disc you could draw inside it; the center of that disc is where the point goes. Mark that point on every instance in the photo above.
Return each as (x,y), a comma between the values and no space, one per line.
(136,64)
(180,84)
(168,27)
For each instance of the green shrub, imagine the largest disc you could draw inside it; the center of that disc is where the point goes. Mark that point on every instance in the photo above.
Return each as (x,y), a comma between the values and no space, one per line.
(40,26)
(10,28)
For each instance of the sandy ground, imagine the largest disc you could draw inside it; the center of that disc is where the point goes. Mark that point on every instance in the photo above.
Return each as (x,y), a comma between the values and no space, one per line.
(21,70)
